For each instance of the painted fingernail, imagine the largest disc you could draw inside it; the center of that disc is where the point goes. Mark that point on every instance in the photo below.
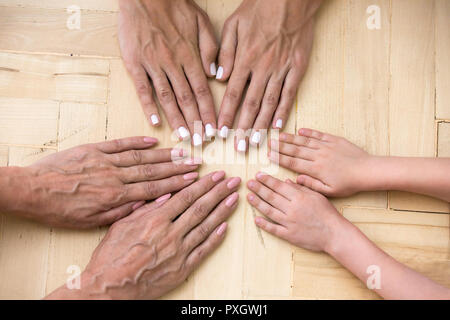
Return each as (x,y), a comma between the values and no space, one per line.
(258,220)
(256,137)
(251,197)
(232,199)
(242,146)
(190,176)
(218,176)
(197,139)
(209,130)
(154,118)
(212,69)
(138,205)
(150,140)
(178,153)
(261,175)
(233,183)
(223,132)
(183,132)
(279,124)
(222,229)
(251,184)
(193,161)
(163,198)
(219,73)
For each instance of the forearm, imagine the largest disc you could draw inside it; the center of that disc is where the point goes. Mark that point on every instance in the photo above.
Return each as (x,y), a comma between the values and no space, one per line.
(428,176)
(367,262)
(14,190)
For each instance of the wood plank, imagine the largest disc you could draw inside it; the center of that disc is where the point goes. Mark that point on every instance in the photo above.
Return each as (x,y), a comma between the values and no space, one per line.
(98,5)
(418,240)
(22,30)
(79,124)
(23,244)
(442,13)
(444,139)
(28,122)
(412,93)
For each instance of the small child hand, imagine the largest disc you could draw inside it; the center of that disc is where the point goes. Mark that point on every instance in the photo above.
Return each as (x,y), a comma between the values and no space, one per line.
(299,215)
(327,164)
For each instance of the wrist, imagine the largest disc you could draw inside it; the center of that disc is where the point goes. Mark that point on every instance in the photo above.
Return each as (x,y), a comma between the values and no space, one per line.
(340,235)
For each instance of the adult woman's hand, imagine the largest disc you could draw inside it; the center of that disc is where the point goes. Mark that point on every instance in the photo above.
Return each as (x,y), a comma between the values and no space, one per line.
(94,184)
(266,43)
(153,250)
(171,42)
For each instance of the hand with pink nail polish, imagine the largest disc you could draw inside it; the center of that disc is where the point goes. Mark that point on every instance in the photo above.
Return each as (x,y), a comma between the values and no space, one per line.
(95,184)
(154,249)
(267,44)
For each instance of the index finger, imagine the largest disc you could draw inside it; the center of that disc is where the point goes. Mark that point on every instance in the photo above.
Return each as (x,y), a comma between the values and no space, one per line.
(125,144)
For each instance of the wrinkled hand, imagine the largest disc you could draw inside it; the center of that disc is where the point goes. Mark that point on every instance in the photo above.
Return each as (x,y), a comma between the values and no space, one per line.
(327,164)
(298,215)
(152,251)
(173,44)
(97,184)
(267,43)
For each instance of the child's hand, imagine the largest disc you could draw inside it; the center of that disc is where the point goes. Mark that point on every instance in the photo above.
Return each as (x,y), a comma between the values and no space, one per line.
(327,164)
(299,215)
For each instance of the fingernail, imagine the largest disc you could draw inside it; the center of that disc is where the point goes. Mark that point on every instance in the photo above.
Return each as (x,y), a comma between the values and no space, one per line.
(150,140)
(178,153)
(163,198)
(190,176)
(183,132)
(138,205)
(212,69)
(193,161)
(154,118)
(197,139)
(242,146)
(232,199)
(222,228)
(261,175)
(251,184)
(223,132)
(233,183)
(218,176)
(258,220)
(279,124)
(209,130)
(219,73)
(256,137)
(251,197)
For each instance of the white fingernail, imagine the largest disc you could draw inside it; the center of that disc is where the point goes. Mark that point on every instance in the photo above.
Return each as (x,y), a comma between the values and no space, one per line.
(219,73)
(279,124)
(224,132)
(256,137)
(212,69)
(242,146)
(197,139)
(154,119)
(209,131)
(182,131)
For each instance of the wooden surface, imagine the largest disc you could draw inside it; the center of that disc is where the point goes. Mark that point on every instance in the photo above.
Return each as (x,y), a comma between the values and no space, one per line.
(387,90)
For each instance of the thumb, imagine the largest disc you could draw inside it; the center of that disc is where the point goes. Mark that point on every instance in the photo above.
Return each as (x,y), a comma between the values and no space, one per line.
(227,50)
(208,45)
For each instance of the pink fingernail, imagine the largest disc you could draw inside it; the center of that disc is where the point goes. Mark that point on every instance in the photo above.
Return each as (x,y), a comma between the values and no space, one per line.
(193,161)
(218,176)
(150,140)
(138,205)
(163,198)
(222,228)
(258,220)
(232,199)
(233,183)
(261,175)
(251,184)
(251,197)
(190,176)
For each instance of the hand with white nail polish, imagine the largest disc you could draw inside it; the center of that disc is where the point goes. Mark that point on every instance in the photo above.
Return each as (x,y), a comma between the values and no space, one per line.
(171,46)
(94,184)
(266,43)
(153,250)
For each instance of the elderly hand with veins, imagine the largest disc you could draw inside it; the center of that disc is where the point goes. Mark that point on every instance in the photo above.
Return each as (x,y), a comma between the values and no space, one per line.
(153,250)
(266,43)
(171,43)
(94,184)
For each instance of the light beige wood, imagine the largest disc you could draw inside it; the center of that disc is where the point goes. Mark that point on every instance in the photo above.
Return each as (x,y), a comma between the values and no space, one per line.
(374,87)
(442,9)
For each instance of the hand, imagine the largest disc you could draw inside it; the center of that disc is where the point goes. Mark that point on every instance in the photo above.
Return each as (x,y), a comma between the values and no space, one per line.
(173,44)
(152,251)
(97,184)
(267,43)
(299,215)
(327,164)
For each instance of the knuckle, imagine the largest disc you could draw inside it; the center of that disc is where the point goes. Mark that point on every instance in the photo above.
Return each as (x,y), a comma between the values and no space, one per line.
(151,190)
(186,98)
(232,94)
(203,231)
(272,99)
(165,94)
(202,91)
(187,197)
(147,171)
(137,156)
(200,210)
(117,143)
(252,103)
